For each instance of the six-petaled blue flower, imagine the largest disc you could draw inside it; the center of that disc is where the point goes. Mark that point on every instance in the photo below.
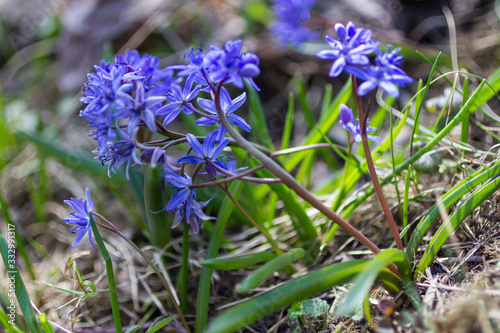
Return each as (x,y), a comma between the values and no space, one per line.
(228,106)
(205,154)
(182,203)
(80,217)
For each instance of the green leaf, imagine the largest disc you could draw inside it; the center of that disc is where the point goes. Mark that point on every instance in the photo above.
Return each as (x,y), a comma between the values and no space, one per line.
(253,280)
(45,323)
(315,307)
(4,322)
(285,295)
(133,329)
(448,199)
(85,283)
(244,261)
(365,280)
(115,307)
(458,215)
(159,325)
(21,293)
(157,218)
(260,131)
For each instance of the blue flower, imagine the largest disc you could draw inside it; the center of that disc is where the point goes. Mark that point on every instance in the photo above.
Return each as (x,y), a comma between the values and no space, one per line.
(229,164)
(120,152)
(182,203)
(228,106)
(380,77)
(179,100)
(80,217)
(221,66)
(289,26)
(205,154)
(351,48)
(347,121)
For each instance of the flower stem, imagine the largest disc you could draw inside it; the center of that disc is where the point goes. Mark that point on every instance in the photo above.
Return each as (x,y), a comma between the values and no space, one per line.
(370,164)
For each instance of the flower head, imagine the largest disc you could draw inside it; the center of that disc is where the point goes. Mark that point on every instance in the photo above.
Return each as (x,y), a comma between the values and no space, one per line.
(182,203)
(221,66)
(228,107)
(351,48)
(347,121)
(179,100)
(206,153)
(80,217)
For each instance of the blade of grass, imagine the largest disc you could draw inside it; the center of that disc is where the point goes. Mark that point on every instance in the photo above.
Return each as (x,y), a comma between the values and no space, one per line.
(21,293)
(454,220)
(4,322)
(115,307)
(365,279)
(260,131)
(304,105)
(261,274)
(464,135)
(244,261)
(448,199)
(45,323)
(158,326)
(287,129)
(327,120)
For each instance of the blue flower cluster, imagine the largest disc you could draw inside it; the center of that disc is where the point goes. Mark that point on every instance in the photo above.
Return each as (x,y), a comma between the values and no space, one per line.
(351,51)
(132,97)
(289,28)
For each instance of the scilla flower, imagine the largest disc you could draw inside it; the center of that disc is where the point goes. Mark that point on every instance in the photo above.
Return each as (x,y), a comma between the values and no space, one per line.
(80,217)
(347,121)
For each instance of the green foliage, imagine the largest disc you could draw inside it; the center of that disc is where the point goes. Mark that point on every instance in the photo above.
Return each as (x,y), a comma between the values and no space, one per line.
(315,307)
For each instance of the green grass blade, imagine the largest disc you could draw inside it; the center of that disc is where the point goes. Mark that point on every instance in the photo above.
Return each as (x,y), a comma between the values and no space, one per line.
(22,296)
(253,280)
(455,219)
(448,199)
(212,251)
(157,218)
(4,322)
(364,280)
(328,119)
(287,129)
(133,329)
(296,290)
(244,261)
(304,105)
(115,308)
(159,325)
(45,323)
(260,131)
(464,135)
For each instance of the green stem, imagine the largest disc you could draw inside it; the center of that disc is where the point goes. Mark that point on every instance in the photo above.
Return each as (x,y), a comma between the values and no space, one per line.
(183,276)
(371,166)
(288,180)
(111,277)
(271,241)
